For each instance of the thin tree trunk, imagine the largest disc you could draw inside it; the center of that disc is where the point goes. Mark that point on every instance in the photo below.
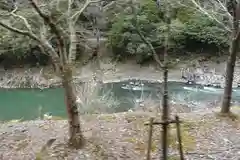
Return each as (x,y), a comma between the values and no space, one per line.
(165,114)
(226,103)
(75,134)
(165,89)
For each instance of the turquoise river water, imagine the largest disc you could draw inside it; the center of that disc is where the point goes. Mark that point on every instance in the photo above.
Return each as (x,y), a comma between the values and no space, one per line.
(25,103)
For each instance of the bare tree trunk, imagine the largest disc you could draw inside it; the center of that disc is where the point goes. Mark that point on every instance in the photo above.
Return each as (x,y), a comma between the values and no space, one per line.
(164,66)
(75,134)
(165,113)
(165,91)
(226,103)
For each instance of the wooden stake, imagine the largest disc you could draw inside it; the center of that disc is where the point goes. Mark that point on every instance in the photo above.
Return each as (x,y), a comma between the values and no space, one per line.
(179,138)
(150,139)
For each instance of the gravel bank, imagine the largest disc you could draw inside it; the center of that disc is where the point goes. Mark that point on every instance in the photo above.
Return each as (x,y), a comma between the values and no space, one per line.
(207,73)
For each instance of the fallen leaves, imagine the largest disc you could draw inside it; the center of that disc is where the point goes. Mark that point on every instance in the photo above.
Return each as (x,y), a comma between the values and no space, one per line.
(122,135)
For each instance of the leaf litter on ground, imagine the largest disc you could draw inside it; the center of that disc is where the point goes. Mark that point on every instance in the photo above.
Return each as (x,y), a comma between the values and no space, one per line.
(123,136)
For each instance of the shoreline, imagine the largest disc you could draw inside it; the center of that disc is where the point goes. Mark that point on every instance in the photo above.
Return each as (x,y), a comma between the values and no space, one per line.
(43,78)
(37,81)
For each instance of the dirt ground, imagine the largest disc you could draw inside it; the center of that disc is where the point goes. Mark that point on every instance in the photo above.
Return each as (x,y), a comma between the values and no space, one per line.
(123,136)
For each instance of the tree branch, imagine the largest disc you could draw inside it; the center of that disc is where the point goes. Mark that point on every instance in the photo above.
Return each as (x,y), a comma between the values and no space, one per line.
(53,28)
(43,43)
(24,20)
(71,25)
(22,32)
(202,10)
(225,9)
(72,19)
(48,21)
(155,56)
(77,14)
(13,13)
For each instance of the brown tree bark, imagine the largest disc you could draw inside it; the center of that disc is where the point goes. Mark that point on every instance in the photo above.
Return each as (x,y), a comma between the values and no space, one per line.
(226,103)
(165,105)
(75,135)
(76,138)
(227,96)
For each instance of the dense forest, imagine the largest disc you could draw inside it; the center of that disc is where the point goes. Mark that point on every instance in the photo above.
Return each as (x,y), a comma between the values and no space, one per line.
(191,32)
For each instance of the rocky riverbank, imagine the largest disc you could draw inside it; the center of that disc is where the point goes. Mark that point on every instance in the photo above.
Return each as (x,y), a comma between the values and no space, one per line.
(45,78)
(209,73)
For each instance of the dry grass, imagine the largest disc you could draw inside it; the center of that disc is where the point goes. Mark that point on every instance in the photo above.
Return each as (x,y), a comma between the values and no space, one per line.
(233,115)
(44,150)
(58,118)
(172,157)
(90,100)
(146,104)
(188,140)
(107,118)
(140,139)
(230,116)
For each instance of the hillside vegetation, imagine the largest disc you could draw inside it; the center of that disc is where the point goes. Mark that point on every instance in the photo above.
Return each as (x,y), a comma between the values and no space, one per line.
(191,32)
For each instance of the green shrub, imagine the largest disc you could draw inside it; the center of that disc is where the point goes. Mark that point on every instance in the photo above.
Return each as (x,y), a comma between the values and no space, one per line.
(189,31)
(123,39)
(201,30)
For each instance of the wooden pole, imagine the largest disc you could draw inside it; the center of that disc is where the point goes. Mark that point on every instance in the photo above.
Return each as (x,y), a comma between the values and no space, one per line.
(166,123)
(149,139)
(179,138)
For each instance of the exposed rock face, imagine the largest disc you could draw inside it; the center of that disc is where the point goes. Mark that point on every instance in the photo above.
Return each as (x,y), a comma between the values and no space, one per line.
(208,77)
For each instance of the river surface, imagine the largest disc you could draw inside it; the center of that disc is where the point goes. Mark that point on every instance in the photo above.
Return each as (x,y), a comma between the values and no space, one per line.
(25,103)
